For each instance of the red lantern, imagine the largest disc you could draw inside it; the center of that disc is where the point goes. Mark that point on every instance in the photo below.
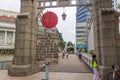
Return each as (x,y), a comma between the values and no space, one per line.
(49,19)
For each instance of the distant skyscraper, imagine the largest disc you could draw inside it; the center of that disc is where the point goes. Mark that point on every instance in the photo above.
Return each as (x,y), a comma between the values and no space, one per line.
(82,16)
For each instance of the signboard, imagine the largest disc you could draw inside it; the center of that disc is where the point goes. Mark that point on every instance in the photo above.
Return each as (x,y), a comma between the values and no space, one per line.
(49,19)
(47,48)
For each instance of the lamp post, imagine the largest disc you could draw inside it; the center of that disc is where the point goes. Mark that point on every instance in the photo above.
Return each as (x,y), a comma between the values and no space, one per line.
(64,14)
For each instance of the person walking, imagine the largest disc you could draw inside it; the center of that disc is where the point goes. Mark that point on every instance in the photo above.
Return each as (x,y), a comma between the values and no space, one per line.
(66,55)
(80,56)
(95,68)
(63,55)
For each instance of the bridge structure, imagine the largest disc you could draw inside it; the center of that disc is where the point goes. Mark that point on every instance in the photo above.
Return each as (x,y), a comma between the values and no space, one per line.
(106,34)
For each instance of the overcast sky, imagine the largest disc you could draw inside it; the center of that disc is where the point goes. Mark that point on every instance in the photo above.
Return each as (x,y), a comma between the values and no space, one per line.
(67,27)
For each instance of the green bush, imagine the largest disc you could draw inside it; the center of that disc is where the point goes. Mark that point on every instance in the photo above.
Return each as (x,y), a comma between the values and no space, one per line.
(82,50)
(6,51)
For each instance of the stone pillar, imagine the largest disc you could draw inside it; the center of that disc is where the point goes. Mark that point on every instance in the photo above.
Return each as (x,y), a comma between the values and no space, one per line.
(25,40)
(107,41)
(107,45)
(97,5)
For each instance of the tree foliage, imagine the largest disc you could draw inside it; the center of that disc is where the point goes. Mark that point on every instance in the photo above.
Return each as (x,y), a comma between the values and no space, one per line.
(61,44)
(91,51)
(69,43)
(118,6)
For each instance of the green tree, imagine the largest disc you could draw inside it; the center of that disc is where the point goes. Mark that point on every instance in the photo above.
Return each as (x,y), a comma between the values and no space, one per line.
(61,44)
(69,43)
(118,6)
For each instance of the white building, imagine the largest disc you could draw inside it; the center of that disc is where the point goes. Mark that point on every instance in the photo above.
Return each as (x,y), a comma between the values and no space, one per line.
(7,29)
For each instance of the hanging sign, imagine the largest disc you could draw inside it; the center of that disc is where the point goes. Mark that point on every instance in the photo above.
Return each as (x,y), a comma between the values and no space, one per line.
(49,19)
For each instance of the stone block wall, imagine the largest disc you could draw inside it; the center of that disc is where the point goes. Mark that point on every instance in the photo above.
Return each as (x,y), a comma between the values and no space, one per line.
(47,48)
(25,41)
(107,40)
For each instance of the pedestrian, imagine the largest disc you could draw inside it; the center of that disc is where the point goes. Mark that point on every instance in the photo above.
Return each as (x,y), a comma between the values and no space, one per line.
(80,56)
(66,55)
(95,68)
(63,54)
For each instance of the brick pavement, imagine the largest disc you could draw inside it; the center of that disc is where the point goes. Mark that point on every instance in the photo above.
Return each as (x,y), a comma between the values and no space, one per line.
(72,64)
(67,69)
(52,76)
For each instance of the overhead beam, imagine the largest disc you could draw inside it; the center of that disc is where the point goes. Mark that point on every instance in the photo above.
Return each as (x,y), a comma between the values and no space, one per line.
(60,3)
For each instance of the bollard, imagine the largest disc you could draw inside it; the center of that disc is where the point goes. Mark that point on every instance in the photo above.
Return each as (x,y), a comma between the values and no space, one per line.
(47,72)
(0,65)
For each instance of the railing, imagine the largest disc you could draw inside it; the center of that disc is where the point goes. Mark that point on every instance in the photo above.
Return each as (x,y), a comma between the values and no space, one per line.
(87,58)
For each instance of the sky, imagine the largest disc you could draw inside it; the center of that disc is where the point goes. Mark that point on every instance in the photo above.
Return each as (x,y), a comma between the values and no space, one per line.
(66,27)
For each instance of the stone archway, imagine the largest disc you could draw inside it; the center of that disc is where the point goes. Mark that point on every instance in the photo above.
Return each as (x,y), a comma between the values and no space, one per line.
(107,46)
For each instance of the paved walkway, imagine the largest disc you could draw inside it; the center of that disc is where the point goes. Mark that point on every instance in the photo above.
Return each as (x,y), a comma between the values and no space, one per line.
(52,76)
(72,64)
(67,69)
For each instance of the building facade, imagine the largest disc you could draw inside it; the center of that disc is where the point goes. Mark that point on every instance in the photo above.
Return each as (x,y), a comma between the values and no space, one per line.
(7,31)
(82,21)
(82,16)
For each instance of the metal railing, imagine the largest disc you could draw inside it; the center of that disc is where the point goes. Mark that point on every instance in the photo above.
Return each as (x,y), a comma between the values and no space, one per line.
(87,58)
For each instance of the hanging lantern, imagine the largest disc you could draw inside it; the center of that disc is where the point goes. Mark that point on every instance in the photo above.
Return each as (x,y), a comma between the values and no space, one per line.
(64,16)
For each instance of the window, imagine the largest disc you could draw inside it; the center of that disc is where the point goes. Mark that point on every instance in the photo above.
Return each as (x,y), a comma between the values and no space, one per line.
(2,37)
(80,27)
(9,37)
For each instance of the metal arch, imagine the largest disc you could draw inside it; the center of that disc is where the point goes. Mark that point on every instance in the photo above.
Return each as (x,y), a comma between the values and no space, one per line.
(59,3)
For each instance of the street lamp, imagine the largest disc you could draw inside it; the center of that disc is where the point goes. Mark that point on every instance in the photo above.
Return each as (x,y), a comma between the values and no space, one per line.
(64,14)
